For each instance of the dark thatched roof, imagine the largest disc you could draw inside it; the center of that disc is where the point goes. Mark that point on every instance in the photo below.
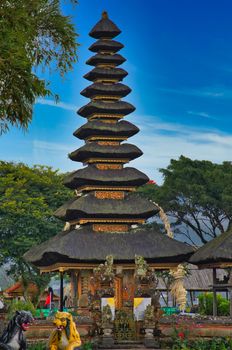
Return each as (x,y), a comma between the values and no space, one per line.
(99,58)
(122,128)
(106,45)
(85,245)
(94,150)
(88,206)
(218,250)
(105,28)
(118,107)
(106,89)
(91,176)
(106,73)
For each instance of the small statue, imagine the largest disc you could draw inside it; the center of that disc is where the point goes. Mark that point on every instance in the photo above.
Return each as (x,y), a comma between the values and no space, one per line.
(109,266)
(13,337)
(65,336)
(105,272)
(152,317)
(106,315)
(149,315)
(141,266)
(177,288)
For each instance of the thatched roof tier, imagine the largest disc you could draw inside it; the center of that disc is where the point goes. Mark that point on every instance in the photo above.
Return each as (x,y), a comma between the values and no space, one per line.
(216,252)
(105,59)
(92,176)
(98,128)
(105,28)
(100,73)
(85,245)
(106,45)
(92,150)
(88,206)
(97,89)
(99,107)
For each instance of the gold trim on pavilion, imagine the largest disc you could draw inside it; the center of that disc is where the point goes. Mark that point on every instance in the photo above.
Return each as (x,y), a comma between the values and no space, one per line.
(100,160)
(109,194)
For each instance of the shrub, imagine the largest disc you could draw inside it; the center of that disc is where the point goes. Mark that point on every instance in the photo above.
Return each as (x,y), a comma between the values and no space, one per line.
(17,305)
(37,346)
(87,346)
(204,344)
(206,304)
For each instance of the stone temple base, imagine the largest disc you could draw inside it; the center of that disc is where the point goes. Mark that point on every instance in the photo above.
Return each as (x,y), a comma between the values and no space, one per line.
(107,342)
(151,343)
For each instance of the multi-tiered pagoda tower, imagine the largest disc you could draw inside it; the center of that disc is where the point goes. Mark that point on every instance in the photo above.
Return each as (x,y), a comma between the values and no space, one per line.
(107,215)
(107,201)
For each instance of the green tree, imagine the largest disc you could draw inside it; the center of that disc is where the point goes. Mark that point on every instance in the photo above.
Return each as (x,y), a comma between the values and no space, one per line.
(197,196)
(33,33)
(28,198)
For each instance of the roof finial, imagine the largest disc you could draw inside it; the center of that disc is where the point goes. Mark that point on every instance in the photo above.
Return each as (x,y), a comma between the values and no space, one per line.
(104,15)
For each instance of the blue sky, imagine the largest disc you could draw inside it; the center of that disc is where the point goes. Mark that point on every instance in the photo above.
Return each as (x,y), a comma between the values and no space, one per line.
(179,60)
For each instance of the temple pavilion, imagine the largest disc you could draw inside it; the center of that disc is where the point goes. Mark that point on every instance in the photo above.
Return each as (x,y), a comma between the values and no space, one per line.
(106,216)
(217,254)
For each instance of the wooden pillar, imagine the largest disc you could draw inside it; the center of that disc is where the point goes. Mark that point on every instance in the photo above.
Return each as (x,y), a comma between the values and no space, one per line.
(61,289)
(118,292)
(191,297)
(214,292)
(230,293)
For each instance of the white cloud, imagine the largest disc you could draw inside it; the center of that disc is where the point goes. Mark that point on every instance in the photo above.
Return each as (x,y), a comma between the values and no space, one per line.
(52,103)
(211,92)
(201,114)
(54,154)
(195,143)
(51,146)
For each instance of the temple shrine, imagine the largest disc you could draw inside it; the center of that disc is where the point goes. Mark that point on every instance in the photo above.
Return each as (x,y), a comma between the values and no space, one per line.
(105,237)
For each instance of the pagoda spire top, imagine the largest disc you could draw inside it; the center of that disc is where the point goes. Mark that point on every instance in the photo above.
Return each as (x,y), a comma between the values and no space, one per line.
(105,28)
(105,15)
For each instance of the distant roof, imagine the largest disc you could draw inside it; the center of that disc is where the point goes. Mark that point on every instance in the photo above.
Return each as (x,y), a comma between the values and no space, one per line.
(215,252)
(18,289)
(197,280)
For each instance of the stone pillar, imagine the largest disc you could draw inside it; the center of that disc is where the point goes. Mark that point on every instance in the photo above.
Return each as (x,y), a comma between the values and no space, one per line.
(83,301)
(74,288)
(107,337)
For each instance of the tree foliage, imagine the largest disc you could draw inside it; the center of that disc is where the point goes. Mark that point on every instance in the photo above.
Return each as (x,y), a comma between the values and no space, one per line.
(28,198)
(33,33)
(197,196)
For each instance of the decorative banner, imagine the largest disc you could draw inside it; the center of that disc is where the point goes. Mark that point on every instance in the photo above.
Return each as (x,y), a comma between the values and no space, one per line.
(140,305)
(110,302)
